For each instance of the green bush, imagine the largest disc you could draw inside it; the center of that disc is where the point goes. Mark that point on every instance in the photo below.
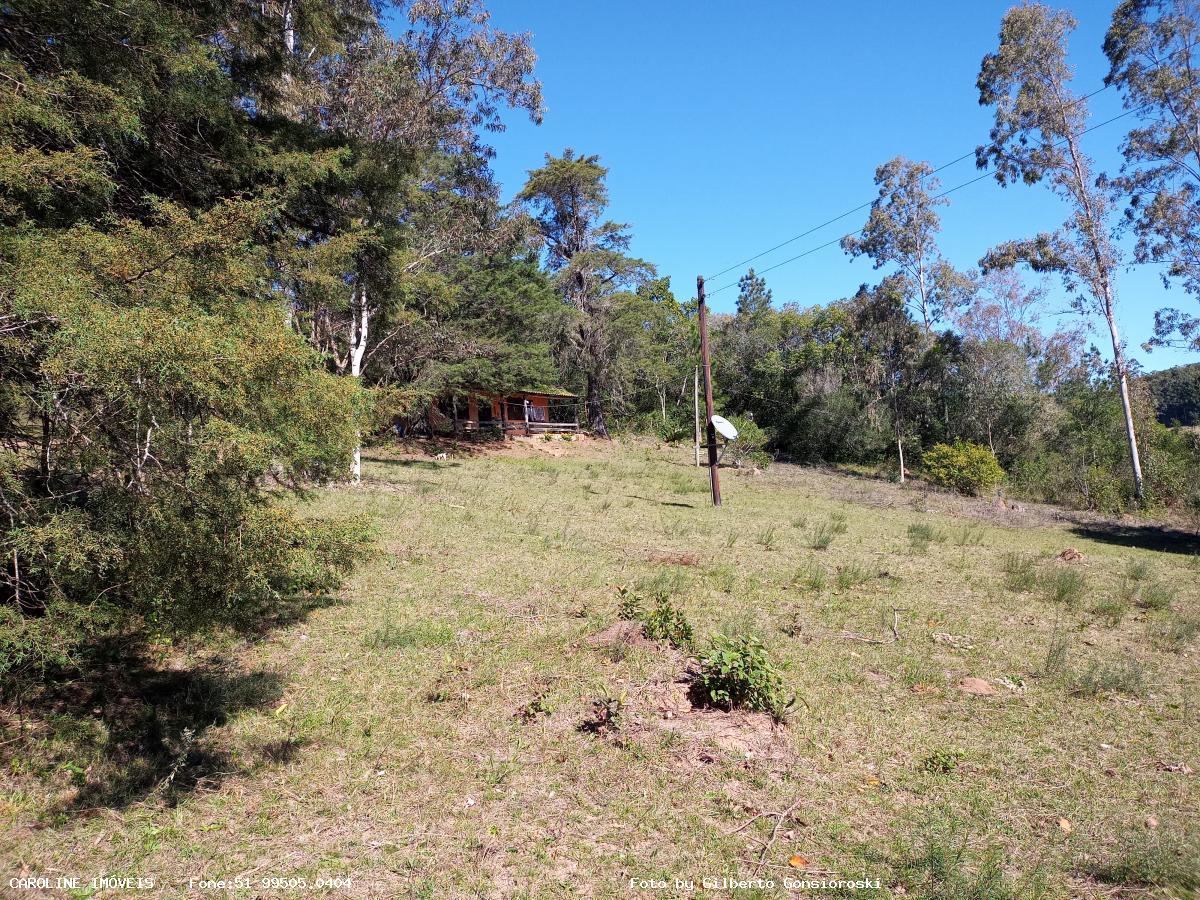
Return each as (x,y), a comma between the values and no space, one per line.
(967,468)
(738,672)
(749,448)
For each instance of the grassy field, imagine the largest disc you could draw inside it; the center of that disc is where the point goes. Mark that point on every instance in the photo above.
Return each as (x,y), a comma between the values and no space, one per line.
(975,716)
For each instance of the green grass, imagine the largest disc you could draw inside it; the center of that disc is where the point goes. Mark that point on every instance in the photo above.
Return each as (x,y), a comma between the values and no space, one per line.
(450,726)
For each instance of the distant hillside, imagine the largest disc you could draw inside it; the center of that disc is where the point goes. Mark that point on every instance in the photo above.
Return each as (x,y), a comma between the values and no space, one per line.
(1176,394)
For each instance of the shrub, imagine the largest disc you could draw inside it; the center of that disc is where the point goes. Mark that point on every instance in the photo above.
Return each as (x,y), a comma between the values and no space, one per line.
(967,468)
(666,622)
(750,447)
(738,672)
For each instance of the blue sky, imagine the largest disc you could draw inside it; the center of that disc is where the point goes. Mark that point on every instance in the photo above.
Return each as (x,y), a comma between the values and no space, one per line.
(726,133)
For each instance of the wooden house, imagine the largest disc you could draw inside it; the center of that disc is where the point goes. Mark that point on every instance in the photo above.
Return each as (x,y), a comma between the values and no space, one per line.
(523,412)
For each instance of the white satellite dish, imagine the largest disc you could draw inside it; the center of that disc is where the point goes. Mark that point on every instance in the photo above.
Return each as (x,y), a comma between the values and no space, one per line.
(724,428)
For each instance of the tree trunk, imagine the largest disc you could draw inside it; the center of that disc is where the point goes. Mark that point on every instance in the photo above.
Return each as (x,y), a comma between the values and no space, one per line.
(1135,460)
(696,410)
(595,411)
(359,325)
(900,451)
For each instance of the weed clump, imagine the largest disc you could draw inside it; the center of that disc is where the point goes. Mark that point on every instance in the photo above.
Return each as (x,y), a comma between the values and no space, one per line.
(1111,610)
(811,578)
(738,672)
(1160,860)
(943,761)
(1101,679)
(921,534)
(1176,634)
(822,536)
(850,575)
(1156,596)
(1065,586)
(769,538)
(1020,572)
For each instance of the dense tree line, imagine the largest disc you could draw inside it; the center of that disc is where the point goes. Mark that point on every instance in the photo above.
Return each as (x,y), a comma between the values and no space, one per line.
(933,354)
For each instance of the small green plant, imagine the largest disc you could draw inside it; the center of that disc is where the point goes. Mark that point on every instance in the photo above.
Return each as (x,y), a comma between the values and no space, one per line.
(731,538)
(822,536)
(538,706)
(769,538)
(1156,596)
(967,468)
(738,672)
(921,534)
(1020,572)
(837,521)
(1176,634)
(606,714)
(970,535)
(1056,662)
(1137,570)
(1101,679)
(1111,610)
(811,578)
(943,761)
(799,521)
(850,575)
(666,622)
(630,605)
(1065,586)
(1158,859)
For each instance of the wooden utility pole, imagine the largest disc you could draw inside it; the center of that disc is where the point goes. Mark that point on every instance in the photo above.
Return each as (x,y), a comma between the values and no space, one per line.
(710,432)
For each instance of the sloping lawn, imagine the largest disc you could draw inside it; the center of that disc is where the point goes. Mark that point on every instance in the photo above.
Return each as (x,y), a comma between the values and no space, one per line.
(974,716)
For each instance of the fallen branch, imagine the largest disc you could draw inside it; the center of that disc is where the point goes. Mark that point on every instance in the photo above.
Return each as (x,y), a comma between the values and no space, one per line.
(762,856)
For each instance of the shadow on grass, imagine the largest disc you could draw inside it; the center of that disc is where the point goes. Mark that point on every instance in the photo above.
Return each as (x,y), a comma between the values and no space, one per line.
(661,502)
(1145,537)
(426,464)
(124,727)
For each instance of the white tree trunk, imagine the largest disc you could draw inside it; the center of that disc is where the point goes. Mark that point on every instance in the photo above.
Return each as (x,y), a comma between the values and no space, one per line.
(1139,488)
(696,409)
(900,450)
(360,321)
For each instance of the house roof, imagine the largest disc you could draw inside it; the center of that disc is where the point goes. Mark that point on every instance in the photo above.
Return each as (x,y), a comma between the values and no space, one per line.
(546,392)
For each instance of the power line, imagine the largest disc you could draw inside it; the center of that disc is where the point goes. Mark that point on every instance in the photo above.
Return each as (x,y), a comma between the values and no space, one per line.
(858,231)
(862,206)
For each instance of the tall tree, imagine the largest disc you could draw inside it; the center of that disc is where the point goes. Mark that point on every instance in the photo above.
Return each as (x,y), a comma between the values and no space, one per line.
(902,230)
(1154,50)
(586,253)
(410,192)
(1039,122)
(754,297)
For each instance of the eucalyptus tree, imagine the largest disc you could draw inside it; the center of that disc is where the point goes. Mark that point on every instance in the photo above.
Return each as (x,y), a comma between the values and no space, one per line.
(586,253)
(902,230)
(1036,137)
(1153,47)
